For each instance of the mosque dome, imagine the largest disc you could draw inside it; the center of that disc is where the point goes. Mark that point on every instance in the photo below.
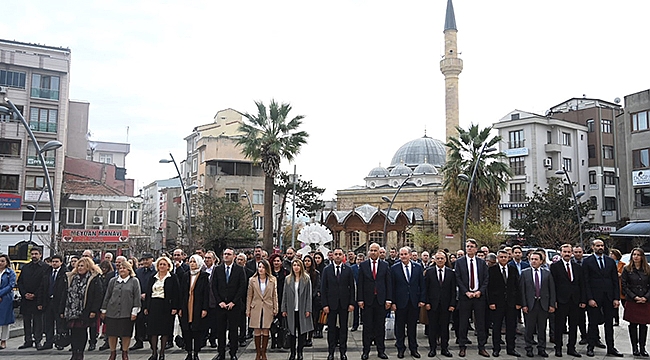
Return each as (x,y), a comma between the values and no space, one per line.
(425,169)
(420,151)
(400,170)
(378,172)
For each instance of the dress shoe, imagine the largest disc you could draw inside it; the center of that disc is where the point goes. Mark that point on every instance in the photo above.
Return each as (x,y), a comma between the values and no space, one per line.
(92,347)
(220,357)
(533,342)
(599,344)
(330,357)
(161,356)
(242,343)
(529,353)
(462,352)
(309,343)
(415,354)
(343,357)
(484,353)
(573,352)
(513,353)
(138,345)
(104,346)
(233,357)
(542,353)
(213,344)
(431,353)
(45,346)
(354,328)
(382,355)
(59,347)
(169,345)
(400,354)
(558,353)
(364,356)
(590,352)
(614,352)
(583,342)
(26,345)
(495,353)
(446,353)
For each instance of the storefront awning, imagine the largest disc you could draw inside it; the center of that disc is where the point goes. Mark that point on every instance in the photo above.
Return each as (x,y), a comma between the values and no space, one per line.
(634,229)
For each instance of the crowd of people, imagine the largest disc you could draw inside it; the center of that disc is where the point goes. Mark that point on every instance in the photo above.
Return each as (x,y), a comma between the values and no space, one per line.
(221,301)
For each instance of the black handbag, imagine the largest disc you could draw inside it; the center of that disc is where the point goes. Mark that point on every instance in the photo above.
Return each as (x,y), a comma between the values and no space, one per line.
(284,336)
(62,339)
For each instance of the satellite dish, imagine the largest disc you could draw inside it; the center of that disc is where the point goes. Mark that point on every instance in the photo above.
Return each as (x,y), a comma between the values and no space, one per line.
(617,100)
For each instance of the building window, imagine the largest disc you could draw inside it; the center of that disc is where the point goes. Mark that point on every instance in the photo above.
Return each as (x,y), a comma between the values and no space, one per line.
(566,164)
(592,177)
(608,152)
(376,236)
(353,237)
(516,214)
(591,149)
(10,147)
(133,217)
(116,217)
(516,139)
(258,222)
(74,216)
(566,139)
(606,126)
(195,165)
(640,121)
(45,87)
(642,197)
(202,156)
(641,158)
(517,192)
(609,178)
(549,137)
(258,197)
(9,182)
(106,158)
(34,160)
(35,182)
(44,120)
(517,165)
(610,204)
(15,79)
(232,195)
(590,125)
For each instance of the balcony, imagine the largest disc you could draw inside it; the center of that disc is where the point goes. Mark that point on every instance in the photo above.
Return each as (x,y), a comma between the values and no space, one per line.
(35,161)
(549,148)
(43,126)
(40,93)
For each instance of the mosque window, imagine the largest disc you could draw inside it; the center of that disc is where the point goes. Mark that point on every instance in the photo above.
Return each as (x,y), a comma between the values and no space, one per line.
(353,237)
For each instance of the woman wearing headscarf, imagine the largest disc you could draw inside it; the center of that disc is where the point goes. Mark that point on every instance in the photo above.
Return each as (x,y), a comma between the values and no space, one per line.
(82,303)
(195,301)
(636,286)
(120,308)
(161,303)
(261,306)
(297,306)
(7,284)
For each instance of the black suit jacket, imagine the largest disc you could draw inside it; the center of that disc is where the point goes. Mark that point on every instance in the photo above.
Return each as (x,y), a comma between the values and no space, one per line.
(367,284)
(462,276)
(31,281)
(232,291)
(58,297)
(412,291)
(172,293)
(500,293)
(440,296)
(565,290)
(601,284)
(337,292)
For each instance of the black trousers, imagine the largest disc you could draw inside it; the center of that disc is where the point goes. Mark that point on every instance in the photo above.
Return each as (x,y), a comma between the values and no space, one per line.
(605,311)
(466,308)
(52,323)
(510,315)
(406,322)
(193,340)
(571,311)
(339,335)
(301,337)
(211,332)
(374,325)
(439,328)
(141,327)
(33,326)
(228,320)
(243,326)
(78,338)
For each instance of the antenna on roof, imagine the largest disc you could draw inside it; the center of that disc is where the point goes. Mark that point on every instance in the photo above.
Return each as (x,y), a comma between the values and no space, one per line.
(127,134)
(425,130)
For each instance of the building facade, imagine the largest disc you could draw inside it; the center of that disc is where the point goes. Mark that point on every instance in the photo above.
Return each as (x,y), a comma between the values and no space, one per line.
(161,213)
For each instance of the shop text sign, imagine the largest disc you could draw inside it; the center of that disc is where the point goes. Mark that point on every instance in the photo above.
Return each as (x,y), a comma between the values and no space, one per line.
(94,235)
(10,201)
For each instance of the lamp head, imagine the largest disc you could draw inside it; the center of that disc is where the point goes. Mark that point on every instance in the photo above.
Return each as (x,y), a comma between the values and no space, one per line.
(4,110)
(463,177)
(31,207)
(164,161)
(192,187)
(51,145)
(579,194)
(385,198)
(489,150)
(560,172)
(256,212)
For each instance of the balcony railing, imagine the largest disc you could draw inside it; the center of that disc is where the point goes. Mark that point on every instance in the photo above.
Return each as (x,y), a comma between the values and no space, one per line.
(45,93)
(43,126)
(35,161)
(516,144)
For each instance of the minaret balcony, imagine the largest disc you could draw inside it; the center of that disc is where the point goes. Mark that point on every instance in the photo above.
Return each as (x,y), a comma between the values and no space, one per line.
(451,65)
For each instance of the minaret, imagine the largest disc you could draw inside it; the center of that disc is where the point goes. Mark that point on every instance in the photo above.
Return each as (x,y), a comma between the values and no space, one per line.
(451,66)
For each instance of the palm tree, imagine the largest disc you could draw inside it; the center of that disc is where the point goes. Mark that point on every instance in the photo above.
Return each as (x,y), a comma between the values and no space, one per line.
(269,137)
(492,172)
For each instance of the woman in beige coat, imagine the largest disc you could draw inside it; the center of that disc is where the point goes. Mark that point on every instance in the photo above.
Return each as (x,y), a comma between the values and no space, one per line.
(262,306)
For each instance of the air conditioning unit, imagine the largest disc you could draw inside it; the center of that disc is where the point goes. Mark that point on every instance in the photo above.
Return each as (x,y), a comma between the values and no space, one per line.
(98,219)
(548,163)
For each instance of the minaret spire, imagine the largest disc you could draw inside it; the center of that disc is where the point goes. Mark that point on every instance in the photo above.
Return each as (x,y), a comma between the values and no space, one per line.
(451,66)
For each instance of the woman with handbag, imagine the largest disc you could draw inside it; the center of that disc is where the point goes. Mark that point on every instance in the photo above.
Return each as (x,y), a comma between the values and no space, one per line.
(120,308)
(7,284)
(280,274)
(161,303)
(636,286)
(297,307)
(82,303)
(261,306)
(314,276)
(195,302)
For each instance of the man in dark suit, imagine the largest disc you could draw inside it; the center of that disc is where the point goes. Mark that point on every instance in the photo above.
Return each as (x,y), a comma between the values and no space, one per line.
(440,302)
(337,297)
(538,300)
(374,291)
(180,267)
(504,302)
(144,275)
(408,297)
(472,280)
(55,286)
(571,301)
(257,257)
(30,286)
(229,286)
(603,295)
(517,259)
(244,330)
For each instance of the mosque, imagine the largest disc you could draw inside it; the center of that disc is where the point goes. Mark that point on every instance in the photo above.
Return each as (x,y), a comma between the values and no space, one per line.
(413,180)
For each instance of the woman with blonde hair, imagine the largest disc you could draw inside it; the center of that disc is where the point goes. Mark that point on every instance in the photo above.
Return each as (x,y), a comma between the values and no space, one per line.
(120,308)
(195,302)
(262,306)
(297,306)
(161,303)
(82,303)
(636,286)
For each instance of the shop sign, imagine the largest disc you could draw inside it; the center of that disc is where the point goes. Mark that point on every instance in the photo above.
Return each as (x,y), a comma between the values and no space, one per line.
(640,177)
(23,228)
(94,235)
(10,201)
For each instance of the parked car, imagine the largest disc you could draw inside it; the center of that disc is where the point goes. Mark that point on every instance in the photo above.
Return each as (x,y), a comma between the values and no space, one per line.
(550,253)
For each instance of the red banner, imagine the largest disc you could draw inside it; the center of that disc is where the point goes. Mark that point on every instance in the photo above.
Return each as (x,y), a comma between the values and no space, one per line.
(94,235)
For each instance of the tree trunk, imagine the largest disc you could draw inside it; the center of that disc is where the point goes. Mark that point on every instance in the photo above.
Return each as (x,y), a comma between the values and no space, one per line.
(268,214)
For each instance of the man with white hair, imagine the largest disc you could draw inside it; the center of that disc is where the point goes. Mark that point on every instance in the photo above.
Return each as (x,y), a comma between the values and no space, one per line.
(424,259)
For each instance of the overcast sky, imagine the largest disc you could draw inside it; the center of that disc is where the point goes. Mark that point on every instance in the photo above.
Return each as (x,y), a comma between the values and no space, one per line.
(364,73)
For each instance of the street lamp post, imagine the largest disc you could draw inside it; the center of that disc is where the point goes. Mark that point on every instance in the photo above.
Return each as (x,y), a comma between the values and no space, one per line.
(294,180)
(464,177)
(575,197)
(34,209)
(185,196)
(254,212)
(50,145)
(390,205)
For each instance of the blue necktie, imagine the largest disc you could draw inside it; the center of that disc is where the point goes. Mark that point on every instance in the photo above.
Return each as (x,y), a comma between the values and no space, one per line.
(227,274)
(408,274)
